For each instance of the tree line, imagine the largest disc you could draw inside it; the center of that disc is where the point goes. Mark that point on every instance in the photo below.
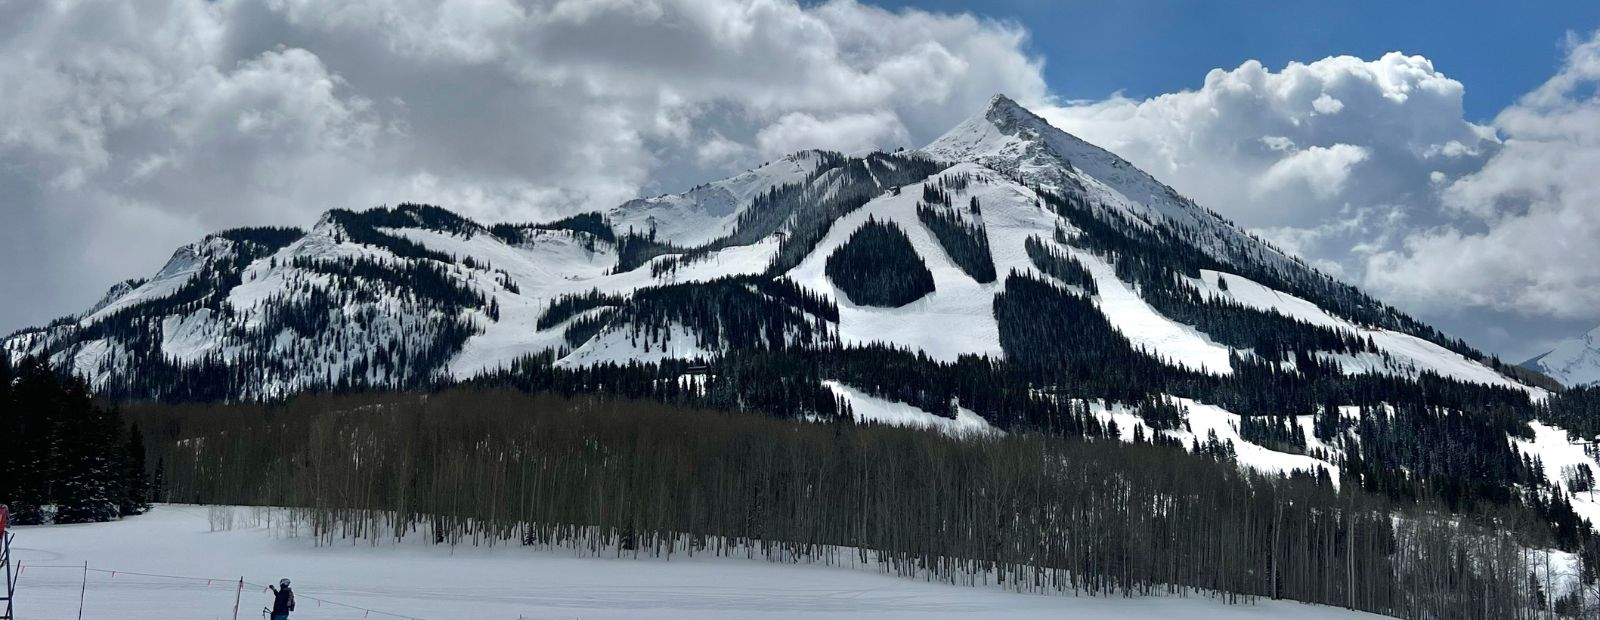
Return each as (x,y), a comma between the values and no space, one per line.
(63,457)
(1031,512)
(965,242)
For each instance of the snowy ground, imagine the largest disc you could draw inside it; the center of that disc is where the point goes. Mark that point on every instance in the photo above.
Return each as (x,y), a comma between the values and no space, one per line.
(869,408)
(434,583)
(1206,419)
(1560,456)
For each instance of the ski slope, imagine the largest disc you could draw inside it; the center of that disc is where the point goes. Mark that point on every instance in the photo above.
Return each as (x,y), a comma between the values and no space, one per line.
(426,582)
(1204,420)
(1560,456)
(958,317)
(1406,354)
(872,409)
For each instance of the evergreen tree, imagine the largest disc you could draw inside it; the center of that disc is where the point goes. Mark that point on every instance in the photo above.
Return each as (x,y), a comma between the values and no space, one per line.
(59,448)
(877,266)
(91,481)
(136,480)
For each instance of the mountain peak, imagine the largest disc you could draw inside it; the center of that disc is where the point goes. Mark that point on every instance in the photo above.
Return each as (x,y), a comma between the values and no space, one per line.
(1005,109)
(1012,139)
(1000,100)
(1020,144)
(1573,362)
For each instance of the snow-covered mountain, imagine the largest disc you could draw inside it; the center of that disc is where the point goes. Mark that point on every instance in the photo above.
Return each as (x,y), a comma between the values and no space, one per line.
(416,294)
(1006,276)
(1573,362)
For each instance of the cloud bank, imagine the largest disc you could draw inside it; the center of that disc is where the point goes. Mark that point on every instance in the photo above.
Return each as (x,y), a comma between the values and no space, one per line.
(1524,233)
(1370,170)
(1328,159)
(132,127)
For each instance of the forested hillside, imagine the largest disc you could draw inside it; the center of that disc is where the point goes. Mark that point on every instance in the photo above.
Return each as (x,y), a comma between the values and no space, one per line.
(1037,514)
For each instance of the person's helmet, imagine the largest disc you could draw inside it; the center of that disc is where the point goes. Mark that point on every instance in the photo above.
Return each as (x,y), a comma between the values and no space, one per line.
(283,583)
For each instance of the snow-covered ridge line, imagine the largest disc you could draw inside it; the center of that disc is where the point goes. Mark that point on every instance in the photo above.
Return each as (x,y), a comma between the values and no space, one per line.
(1408,354)
(1573,362)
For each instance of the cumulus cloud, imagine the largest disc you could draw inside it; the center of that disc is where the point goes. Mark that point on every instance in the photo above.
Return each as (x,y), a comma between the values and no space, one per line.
(129,128)
(1321,170)
(1369,170)
(847,132)
(1524,236)
(1316,155)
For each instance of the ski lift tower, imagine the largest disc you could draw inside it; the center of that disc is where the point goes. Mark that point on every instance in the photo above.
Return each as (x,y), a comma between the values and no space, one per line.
(10,587)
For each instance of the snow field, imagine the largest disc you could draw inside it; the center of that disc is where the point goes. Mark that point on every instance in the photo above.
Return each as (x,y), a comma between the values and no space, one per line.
(1410,353)
(872,409)
(710,211)
(1204,419)
(427,582)
(1575,361)
(1560,455)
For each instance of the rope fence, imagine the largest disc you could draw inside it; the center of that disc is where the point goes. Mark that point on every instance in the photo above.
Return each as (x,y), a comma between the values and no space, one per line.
(366,612)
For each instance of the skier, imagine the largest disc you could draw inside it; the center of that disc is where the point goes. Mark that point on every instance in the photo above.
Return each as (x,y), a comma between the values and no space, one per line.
(282,600)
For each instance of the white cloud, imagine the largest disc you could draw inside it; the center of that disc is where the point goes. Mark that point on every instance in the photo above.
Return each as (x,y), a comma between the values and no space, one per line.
(1322,170)
(1249,132)
(138,126)
(847,132)
(1327,105)
(1524,236)
(1369,170)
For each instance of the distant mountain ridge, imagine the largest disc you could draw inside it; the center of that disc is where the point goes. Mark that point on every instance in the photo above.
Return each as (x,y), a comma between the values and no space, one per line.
(1573,362)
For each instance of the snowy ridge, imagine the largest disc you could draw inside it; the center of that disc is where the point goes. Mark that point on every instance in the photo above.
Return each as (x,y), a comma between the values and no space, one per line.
(185,263)
(1573,362)
(1009,138)
(116,292)
(1404,354)
(708,212)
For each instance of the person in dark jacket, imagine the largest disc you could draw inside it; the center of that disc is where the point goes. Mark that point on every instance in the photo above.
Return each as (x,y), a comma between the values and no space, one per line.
(282,600)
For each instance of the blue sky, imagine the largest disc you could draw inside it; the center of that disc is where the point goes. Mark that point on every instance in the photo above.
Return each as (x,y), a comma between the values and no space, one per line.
(1149,47)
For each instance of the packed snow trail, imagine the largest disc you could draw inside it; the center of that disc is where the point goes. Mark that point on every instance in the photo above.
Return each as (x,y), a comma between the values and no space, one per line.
(428,582)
